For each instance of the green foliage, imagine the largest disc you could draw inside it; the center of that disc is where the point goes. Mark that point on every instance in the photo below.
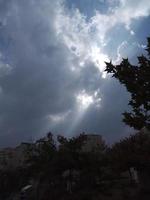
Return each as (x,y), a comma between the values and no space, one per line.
(136,79)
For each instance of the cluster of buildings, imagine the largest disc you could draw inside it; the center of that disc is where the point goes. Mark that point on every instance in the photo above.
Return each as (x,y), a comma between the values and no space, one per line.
(15,157)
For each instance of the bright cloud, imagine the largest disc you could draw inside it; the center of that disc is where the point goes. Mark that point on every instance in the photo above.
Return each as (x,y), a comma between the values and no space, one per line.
(84,100)
(87,39)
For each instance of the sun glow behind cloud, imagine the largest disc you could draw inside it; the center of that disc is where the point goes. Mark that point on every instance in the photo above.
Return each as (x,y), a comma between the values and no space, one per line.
(84,100)
(82,38)
(99,59)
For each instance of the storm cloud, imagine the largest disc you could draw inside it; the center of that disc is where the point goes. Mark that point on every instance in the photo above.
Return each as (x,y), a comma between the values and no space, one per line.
(51,70)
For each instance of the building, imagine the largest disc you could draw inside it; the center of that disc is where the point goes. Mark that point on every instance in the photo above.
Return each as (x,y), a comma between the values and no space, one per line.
(7,158)
(14,157)
(93,143)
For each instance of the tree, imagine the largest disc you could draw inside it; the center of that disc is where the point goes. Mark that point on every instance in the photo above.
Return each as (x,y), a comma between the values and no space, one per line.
(74,144)
(43,151)
(70,152)
(84,168)
(132,151)
(136,79)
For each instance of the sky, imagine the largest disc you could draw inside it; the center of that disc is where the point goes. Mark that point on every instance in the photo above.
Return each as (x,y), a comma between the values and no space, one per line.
(52,55)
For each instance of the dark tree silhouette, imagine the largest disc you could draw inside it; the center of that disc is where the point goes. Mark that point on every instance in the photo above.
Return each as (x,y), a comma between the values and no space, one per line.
(131,151)
(136,79)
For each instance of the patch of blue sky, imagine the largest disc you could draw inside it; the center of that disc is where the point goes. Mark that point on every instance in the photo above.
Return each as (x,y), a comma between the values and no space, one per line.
(141,28)
(115,37)
(130,45)
(88,7)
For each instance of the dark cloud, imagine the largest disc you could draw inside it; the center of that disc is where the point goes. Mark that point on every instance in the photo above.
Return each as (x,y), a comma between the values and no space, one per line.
(38,87)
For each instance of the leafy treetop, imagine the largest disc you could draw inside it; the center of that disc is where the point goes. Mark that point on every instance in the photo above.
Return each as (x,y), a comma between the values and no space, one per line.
(136,79)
